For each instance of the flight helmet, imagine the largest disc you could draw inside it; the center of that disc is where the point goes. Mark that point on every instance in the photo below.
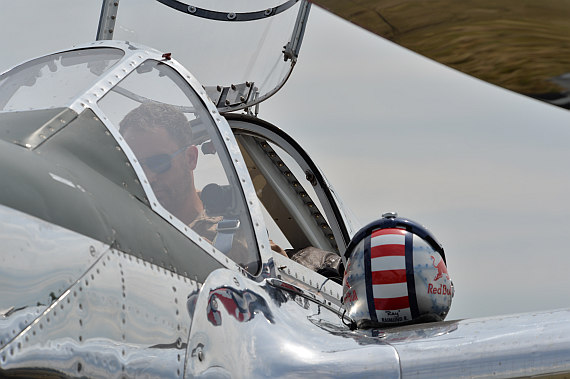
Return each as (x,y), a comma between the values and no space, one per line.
(396,274)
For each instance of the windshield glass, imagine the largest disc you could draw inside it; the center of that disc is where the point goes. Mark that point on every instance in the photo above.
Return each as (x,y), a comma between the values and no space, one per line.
(183,157)
(54,80)
(350,220)
(218,52)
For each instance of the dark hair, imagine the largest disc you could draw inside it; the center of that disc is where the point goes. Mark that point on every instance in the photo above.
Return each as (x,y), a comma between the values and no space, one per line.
(151,115)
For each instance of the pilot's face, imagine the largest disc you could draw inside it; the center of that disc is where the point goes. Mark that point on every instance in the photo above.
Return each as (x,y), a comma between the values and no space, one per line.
(167,166)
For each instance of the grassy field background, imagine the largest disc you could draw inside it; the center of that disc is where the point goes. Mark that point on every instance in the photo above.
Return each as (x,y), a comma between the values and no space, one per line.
(516,44)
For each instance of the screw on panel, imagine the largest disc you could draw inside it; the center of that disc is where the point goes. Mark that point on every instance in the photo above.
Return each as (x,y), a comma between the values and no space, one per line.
(311,178)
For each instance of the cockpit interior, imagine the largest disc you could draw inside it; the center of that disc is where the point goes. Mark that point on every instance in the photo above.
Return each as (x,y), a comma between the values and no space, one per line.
(239,188)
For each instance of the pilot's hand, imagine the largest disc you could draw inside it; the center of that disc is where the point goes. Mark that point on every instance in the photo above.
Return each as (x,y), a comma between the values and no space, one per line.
(276,248)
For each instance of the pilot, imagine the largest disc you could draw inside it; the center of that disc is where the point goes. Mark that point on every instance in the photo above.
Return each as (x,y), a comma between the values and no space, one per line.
(160,135)
(161,138)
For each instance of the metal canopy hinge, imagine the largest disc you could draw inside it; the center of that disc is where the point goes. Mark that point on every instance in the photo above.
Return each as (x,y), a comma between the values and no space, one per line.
(291,50)
(233,96)
(255,110)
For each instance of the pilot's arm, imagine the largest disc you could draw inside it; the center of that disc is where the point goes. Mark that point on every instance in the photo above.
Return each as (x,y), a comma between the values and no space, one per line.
(276,248)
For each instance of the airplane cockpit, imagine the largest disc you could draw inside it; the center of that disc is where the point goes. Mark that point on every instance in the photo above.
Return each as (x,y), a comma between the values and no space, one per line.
(238,188)
(150,230)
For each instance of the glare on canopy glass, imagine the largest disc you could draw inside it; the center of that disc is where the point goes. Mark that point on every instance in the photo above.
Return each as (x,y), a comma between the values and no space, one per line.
(54,80)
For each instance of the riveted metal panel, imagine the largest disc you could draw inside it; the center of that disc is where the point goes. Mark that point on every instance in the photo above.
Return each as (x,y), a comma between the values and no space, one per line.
(522,345)
(277,333)
(38,263)
(123,317)
(31,128)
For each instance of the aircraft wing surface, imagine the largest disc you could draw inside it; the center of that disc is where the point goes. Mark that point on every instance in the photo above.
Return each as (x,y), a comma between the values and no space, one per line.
(517,45)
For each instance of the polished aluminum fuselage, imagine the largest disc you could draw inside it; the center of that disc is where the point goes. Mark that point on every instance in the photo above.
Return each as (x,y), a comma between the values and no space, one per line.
(97,279)
(86,309)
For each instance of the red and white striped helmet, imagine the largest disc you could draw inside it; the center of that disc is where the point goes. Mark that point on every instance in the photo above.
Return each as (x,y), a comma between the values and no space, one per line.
(396,274)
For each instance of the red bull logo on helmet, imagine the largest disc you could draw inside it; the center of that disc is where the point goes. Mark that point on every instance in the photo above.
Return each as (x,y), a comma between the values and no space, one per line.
(441,269)
(442,289)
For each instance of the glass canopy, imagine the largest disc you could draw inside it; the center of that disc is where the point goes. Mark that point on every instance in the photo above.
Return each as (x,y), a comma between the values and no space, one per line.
(242,52)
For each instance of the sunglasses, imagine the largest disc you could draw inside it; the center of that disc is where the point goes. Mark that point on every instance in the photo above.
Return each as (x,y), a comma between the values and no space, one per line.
(161,163)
